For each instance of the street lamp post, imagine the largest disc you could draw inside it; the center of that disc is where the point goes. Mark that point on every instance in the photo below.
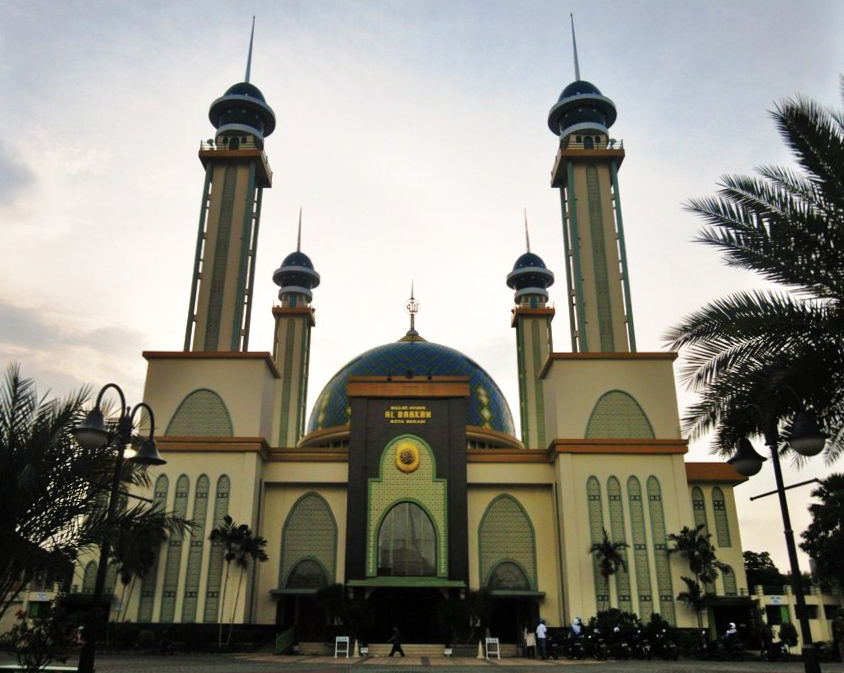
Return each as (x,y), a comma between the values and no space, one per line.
(91,435)
(808,440)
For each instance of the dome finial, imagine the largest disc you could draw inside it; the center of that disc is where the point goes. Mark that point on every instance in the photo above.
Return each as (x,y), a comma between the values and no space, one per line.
(574,45)
(412,307)
(299,237)
(527,235)
(249,57)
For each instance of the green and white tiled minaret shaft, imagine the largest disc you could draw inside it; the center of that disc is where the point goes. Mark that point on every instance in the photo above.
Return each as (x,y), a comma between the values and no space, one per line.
(532,320)
(236,173)
(294,319)
(586,173)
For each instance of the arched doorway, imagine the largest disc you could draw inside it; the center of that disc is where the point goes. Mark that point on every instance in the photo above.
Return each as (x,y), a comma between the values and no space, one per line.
(413,610)
(511,612)
(299,607)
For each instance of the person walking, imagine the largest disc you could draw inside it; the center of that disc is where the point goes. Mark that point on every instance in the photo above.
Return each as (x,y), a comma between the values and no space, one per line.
(396,641)
(541,638)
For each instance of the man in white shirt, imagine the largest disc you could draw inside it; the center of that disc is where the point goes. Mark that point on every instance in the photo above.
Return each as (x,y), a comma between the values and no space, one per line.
(541,638)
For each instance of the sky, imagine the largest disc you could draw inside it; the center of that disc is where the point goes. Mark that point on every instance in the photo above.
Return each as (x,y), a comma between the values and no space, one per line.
(412,134)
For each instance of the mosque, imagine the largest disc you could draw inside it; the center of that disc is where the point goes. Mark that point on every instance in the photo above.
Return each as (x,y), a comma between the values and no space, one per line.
(406,483)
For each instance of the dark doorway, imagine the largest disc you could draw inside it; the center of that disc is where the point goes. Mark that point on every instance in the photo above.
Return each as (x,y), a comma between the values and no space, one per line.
(234,144)
(302,612)
(511,616)
(414,611)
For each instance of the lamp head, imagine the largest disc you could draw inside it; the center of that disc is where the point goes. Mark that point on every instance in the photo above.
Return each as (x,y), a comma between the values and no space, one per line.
(148,454)
(806,436)
(745,460)
(91,433)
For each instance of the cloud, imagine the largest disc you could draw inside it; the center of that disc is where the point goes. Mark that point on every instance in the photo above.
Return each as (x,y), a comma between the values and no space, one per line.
(15,176)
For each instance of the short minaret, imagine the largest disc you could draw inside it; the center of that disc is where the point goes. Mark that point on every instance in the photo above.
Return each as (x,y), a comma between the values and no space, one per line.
(532,320)
(586,173)
(294,319)
(236,173)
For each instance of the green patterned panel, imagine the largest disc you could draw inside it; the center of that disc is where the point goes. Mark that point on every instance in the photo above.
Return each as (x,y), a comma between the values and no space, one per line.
(640,548)
(596,534)
(538,397)
(699,508)
(215,557)
(197,545)
(661,561)
(524,413)
(599,260)
(201,414)
(110,579)
(173,561)
(617,415)
(622,577)
(287,381)
(420,486)
(722,526)
(506,534)
(89,578)
(730,584)
(310,532)
(221,258)
(159,498)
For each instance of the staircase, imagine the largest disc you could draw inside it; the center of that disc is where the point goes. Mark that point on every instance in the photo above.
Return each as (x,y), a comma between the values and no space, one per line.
(415,650)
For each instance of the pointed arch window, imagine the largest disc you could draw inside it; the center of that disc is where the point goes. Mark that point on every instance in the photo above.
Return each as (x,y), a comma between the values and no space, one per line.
(508,575)
(407,542)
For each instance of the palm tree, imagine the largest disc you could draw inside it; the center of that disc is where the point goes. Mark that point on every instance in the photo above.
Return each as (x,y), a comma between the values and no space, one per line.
(229,535)
(787,225)
(693,597)
(609,555)
(694,545)
(250,547)
(54,492)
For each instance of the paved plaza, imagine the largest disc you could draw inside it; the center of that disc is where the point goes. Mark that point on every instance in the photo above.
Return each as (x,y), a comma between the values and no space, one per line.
(268,663)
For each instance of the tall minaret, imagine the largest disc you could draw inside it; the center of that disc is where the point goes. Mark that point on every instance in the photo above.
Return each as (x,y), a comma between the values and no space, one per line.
(236,173)
(294,319)
(532,320)
(586,172)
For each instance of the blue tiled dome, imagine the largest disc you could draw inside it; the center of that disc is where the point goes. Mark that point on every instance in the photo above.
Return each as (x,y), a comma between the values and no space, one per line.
(581,106)
(243,108)
(487,407)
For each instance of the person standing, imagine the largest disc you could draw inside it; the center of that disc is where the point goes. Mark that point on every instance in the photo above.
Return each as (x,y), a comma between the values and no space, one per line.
(541,638)
(396,641)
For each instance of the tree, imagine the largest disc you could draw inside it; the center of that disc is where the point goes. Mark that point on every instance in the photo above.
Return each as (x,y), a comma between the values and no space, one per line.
(229,535)
(54,492)
(693,597)
(609,555)
(250,548)
(823,539)
(761,571)
(787,225)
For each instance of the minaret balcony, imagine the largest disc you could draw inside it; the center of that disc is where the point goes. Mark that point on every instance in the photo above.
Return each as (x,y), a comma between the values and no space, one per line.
(579,151)
(249,149)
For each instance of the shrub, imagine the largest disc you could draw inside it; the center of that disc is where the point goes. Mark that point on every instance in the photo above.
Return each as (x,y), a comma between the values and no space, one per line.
(788,634)
(146,639)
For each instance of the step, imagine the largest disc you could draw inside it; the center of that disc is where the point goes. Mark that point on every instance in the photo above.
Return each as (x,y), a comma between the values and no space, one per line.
(431,650)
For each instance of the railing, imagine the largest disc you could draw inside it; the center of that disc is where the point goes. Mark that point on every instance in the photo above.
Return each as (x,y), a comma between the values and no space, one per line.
(611,144)
(284,641)
(212,145)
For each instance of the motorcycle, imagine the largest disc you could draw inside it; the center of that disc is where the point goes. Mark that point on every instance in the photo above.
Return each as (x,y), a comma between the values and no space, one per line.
(664,647)
(777,651)
(640,646)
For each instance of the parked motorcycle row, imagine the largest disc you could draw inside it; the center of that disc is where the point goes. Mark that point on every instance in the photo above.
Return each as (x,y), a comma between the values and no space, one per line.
(592,644)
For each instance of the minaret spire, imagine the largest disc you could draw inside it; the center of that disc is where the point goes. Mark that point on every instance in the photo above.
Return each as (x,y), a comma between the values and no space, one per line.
(574,45)
(527,235)
(299,237)
(249,58)
(412,307)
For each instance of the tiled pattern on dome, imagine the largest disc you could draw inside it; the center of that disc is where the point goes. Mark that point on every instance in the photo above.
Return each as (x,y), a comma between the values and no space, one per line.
(699,508)
(197,545)
(173,561)
(722,526)
(422,358)
(215,557)
(661,561)
(201,414)
(420,486)
(596,535)
(730,584)
(309,533)
(148,583)
(89,578)
(622,576)
(617,415)
(640,548)
(599,260)
(506,534)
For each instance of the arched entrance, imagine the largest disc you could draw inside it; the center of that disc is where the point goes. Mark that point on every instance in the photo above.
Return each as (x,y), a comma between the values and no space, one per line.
(299,606)
(413,610)
(512,610)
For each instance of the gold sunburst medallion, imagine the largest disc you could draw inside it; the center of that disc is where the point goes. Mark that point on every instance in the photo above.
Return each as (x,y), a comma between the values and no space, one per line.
(407,455)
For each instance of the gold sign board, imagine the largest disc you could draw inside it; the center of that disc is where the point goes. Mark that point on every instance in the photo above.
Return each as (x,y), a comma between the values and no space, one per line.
(417,414)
